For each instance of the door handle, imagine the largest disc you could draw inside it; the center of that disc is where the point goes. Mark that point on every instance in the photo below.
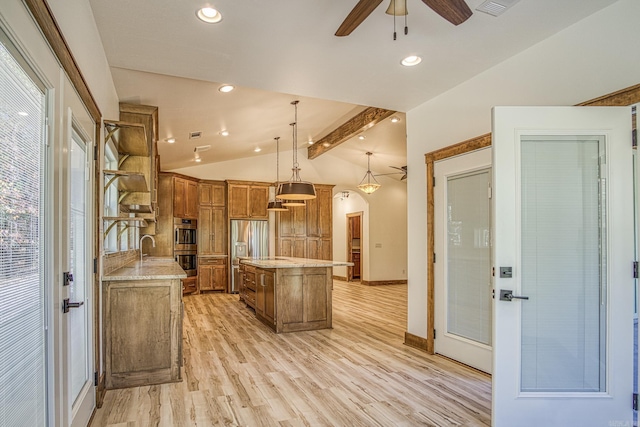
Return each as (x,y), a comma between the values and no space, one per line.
(66,305)
(507,295)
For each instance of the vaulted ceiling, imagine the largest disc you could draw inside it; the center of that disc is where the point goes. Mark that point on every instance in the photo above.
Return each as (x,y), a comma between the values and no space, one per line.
(280,50)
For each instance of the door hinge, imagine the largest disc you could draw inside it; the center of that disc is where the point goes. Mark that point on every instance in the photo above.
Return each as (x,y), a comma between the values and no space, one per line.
(634,138)
(635,401)
(95,265)
(635,269)
(434,334)
(434,257)
(95,152)
(490,192)
(433,181)
(95,378)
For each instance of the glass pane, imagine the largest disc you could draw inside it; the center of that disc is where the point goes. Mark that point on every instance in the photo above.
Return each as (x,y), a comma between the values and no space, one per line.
(77,251)
(469,257)
(563,270)
(22,336)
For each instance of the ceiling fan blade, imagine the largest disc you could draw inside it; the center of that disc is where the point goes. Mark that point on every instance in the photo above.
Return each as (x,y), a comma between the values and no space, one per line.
(403,177)
(358,14)
(454,11)
(403,168)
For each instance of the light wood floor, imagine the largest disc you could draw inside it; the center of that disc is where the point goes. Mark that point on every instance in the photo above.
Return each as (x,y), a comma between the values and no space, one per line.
(238,372)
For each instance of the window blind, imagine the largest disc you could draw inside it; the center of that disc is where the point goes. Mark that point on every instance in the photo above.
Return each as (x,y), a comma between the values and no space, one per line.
(22,334)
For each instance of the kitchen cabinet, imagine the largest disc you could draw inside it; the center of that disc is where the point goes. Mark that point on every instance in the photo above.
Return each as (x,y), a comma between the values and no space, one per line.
(189,285)
(212,274)
(212,231)
(248,200)
(355,270)
(306,231)
(185,198)
(355,227)
(265,296)
(210,194)
(248,289)
(292,247)
(319,248)
(143,324)
(319,213)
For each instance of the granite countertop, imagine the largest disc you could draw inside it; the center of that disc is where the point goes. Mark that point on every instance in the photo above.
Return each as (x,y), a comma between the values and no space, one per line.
(290,262)
(152,268)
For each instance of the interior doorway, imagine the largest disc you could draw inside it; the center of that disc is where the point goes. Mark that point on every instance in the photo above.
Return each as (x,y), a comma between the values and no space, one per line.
(354,246)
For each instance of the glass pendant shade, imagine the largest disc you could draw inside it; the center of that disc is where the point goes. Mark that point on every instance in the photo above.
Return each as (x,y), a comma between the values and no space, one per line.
(368,183)
(397,8)
(295,188)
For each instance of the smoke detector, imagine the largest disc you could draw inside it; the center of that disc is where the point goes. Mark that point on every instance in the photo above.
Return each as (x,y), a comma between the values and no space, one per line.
(495,7)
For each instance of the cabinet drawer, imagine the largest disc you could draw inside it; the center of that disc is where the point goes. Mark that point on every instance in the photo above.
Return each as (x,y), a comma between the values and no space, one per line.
(212,261)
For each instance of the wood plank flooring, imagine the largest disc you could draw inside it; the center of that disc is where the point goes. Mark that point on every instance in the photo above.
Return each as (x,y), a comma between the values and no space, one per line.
(238,372)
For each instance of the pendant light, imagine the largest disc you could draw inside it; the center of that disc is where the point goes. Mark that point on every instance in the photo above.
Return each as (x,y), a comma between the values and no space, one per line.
(276,205)
(368,186)
(293,203)
(295,188)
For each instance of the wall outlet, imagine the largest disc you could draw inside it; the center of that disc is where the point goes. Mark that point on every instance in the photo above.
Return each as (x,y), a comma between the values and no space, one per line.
(378,245)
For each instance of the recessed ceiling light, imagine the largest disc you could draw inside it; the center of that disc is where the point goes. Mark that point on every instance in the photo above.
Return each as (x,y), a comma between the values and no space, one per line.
(394,119)
(170,140)
(209,15)
(226,88)
(326,144)
(410,61)
(198,159)
(23,113)
(257,149)
(310,142)
(361,137)
(224,133)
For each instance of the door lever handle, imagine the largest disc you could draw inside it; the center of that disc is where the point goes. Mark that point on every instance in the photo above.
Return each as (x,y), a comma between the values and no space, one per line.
(507,295)
(66,305)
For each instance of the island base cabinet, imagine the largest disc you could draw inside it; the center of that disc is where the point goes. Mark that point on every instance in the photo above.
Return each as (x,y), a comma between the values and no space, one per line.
(265,297)
(143,332)
(303,299)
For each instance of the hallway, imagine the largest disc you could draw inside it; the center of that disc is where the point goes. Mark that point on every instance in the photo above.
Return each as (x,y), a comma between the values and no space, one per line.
(238,372)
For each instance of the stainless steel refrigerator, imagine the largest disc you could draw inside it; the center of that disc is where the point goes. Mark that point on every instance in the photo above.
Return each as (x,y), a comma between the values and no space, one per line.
(247,238)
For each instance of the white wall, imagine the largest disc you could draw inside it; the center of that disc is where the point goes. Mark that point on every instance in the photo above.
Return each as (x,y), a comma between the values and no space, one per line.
(75,19)
(387,207)
(596,56)
(353,204)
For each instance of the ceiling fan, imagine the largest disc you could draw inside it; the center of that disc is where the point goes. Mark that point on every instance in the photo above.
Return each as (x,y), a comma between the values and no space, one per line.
(454,11)
(402,169)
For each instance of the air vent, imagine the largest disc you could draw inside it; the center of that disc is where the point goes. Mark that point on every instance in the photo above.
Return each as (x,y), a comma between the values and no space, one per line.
(201,148)
(195,135)
(497,7)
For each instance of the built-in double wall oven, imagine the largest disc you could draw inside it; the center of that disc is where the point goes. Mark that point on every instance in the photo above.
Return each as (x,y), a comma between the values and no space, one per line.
(185,244)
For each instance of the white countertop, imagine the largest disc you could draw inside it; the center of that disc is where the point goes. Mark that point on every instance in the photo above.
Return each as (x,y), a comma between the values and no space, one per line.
(152,268)
(290,262)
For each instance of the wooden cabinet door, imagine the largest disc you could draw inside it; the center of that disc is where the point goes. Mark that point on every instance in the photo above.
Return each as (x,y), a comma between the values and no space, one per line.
(204,194)
(238,201)
(269,296)
(179,197)
(325,212)
(218,231)
(313,219)
(293,247)
(314,248)
(205,277)
(299,220)
(191,200)
(205,228)
(326,249)
(219,279)
(258,200)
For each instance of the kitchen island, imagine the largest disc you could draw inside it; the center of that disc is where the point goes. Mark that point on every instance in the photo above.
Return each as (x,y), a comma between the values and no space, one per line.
(143,323)
(289,294)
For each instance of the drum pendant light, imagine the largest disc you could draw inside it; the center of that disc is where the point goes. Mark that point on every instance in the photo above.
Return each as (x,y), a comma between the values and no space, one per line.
(276,205)
(295,188)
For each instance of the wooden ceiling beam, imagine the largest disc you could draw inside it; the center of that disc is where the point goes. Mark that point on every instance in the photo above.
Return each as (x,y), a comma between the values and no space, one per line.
(354,126)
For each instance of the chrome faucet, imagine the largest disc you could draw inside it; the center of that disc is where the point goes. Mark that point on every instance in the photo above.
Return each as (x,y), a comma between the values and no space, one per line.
(153,241)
